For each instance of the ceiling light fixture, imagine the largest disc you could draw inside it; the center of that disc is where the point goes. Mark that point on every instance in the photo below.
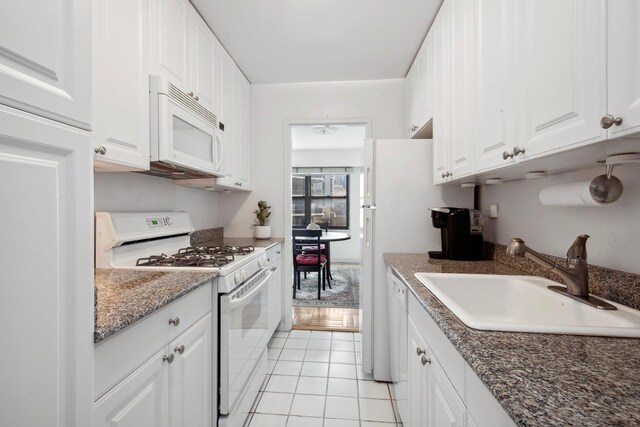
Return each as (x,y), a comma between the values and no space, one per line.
(325,130)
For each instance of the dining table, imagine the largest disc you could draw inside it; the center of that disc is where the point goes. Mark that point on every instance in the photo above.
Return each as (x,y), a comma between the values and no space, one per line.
(326,238)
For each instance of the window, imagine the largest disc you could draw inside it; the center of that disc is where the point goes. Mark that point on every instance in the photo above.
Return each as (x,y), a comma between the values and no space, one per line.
(320,198)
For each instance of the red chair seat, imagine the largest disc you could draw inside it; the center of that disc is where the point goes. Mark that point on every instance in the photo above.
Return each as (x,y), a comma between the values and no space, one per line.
(306,259)
(313,248)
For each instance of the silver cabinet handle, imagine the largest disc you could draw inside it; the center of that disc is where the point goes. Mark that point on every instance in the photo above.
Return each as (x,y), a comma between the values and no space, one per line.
(517,150)
(444,175)
(274,268)
(168,359)
(424,360)
(607,121)
(190,94)
(420,351)
(414,128)
(175,321)
(449,174)
(101,150)
(197,98)
(179,349)
(506,155)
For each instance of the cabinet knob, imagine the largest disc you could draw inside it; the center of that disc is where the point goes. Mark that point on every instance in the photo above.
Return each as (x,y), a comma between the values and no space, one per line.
(420,351)
(175,321)
(190,94)
(449,174)
(414,128)
(517,150)
(168,359)
(607,121)
(197,98)
(278,252)
(424,360)
(179,349)
(444,175)
(506,155)
(101,150)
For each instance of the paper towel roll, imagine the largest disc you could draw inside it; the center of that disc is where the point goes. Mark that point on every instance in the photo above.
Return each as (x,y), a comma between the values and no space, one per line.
(574,194)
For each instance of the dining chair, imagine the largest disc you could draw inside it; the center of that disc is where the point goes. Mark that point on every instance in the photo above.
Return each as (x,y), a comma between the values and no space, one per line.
(308,261)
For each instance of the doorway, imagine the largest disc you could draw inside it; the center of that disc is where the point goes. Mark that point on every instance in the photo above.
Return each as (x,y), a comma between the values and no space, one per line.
(326,193)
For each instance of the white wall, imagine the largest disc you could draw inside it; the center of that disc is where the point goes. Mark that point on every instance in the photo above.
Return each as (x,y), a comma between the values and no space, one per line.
(329,158)
(614,229)
(381,101)
(134,192)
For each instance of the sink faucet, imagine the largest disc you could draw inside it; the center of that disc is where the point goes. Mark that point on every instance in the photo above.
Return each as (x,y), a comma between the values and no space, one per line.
(575,275)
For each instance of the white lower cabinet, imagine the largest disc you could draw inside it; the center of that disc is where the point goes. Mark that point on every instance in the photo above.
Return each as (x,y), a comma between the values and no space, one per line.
(140,400)
(443,390)
(190,376)
(275,287)
(172,388)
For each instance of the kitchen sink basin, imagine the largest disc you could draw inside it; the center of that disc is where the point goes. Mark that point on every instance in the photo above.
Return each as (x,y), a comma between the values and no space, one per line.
(524,304)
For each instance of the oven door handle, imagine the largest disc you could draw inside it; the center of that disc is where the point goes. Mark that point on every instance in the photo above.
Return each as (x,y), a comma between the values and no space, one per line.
(239,302)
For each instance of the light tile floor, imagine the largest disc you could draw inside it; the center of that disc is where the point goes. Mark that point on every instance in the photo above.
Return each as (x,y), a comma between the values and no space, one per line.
(316,379)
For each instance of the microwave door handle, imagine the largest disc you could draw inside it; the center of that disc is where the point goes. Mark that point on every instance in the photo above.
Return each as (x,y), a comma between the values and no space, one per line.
(243,300)
(220,151)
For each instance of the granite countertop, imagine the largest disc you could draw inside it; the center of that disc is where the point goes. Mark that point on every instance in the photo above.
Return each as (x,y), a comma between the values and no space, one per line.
(539,379)
(125,296)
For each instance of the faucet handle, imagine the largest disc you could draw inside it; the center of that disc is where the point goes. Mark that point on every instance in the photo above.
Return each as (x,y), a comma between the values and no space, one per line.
(578,250)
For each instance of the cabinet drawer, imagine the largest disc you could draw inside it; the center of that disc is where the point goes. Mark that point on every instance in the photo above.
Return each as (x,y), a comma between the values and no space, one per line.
(120,355)
(274,253)
(452,362)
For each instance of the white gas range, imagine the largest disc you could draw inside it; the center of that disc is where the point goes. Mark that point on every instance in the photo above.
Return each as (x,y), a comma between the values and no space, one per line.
(161,241)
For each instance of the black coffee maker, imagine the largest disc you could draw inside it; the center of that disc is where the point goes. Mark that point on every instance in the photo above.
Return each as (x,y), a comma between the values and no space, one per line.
(460,232)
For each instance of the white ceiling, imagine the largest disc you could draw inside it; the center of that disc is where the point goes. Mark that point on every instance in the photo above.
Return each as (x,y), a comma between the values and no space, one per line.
(345,137)
(287,41)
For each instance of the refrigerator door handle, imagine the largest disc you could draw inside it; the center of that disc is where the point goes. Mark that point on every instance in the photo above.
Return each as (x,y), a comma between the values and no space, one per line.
(368,207)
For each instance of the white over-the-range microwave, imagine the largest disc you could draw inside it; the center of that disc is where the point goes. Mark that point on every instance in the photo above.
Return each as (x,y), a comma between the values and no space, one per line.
(186,140)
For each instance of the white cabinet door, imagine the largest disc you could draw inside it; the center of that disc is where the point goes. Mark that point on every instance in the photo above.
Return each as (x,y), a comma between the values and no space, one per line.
(275,294)
(417,378)
(140,400)
(442,94)
(203,65)
(45,59)
(494,85)
(121,84)
(562,62)
(409,94)
(225,105)
(244,154)
(191,376)
(445,408)
(46,185)
(623,65)
(424,106)
(170,38)
(460,148)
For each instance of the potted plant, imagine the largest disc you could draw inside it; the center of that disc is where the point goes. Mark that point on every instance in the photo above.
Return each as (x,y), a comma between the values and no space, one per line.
(262,231)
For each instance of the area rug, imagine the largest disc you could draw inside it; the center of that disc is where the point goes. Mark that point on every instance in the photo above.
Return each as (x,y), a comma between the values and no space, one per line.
(345,292)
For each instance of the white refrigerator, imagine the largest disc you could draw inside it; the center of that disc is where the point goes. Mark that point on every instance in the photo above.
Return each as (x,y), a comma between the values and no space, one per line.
(398,192)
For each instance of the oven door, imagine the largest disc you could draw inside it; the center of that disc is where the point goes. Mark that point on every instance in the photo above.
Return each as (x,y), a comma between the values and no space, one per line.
(186,140)
(244,324)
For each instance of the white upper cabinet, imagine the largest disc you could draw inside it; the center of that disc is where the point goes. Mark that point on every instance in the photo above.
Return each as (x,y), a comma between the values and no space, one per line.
(460,147)
(121,85)
(170,39)
(562,65)
(45,59)
(442,94)
(494,94)
(419,85)
(225,76)
(203,50)
(244,155)
(623,66)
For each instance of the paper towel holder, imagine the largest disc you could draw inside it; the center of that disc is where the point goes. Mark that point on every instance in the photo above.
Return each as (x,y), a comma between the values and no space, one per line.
(608,188)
